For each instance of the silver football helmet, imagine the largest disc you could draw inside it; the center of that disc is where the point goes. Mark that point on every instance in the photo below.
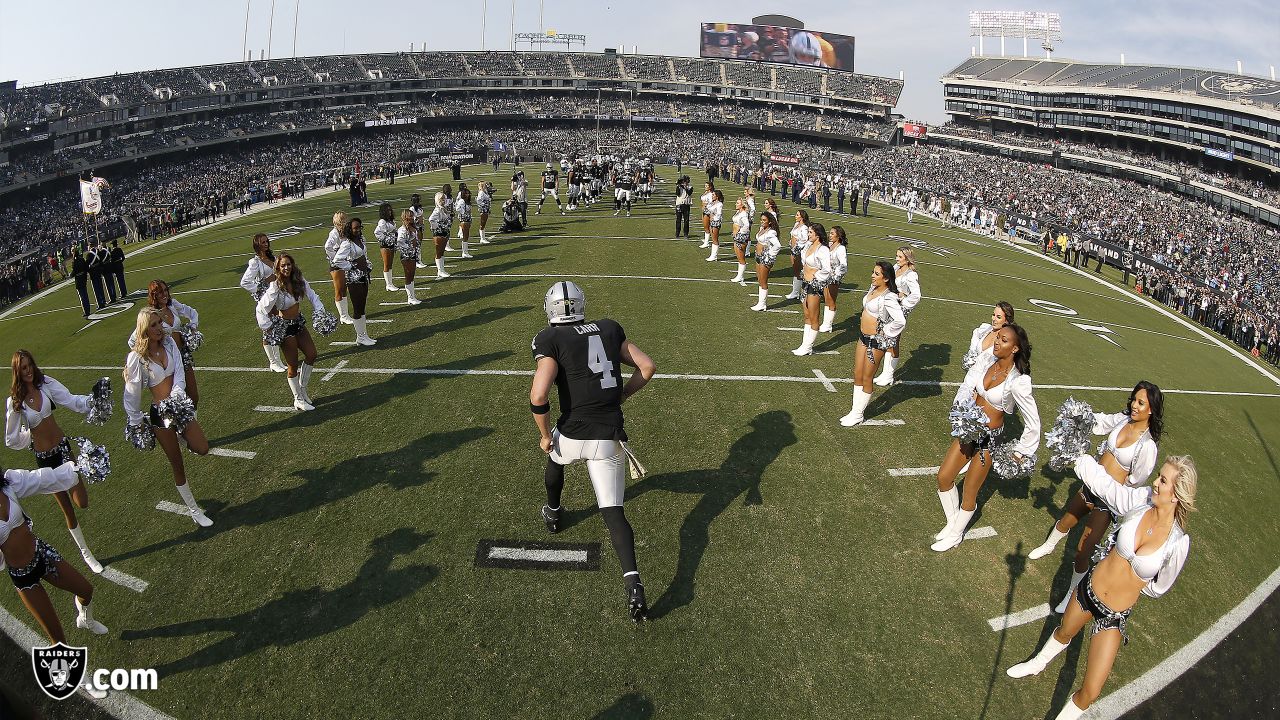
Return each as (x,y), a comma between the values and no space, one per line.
(565,303)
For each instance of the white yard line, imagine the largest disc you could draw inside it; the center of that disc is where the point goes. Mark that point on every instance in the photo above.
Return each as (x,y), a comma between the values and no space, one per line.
(826,381)
(882,423)
(275,408)
(556,556)
(333,371)
(1022,617)
(224,452)
(173,507)
(342,343)
(980,533)
(124,579)
(912,472)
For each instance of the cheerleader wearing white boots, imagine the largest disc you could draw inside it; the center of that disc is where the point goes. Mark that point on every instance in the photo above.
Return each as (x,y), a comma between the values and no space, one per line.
(257,276)
(283,298)
(800,238)
(881,321)
(767,249)
(838,244)
(741,238)
(816,269)
(909,296)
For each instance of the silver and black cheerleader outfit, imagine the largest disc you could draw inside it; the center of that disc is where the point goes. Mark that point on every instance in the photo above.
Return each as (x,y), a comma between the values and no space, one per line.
(768,247)
(408,244)
(440,222)
(484,203)
(1138,459)
(385,232)
(716,215)
(350,252)
(462,210)
(742,238)
(331,244)
(256,277)
(55,456)
(1013,393)
(276,299)
(182,315)
(24,483)
(889,321)
(20,420)
(909,285)
(138,370)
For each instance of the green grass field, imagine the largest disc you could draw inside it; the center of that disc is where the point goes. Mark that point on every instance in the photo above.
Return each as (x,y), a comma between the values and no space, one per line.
(788,573)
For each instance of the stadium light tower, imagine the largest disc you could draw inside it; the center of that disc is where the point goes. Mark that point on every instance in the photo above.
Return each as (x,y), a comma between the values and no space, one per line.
(271,23)
(244,51)
(1023,24)
(296,6)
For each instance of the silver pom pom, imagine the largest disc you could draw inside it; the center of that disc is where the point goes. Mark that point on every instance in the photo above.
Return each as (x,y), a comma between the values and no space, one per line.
(275,334)
(356,275)
(94,462)
(99,403)
(1071,435)
(1107,542)
(324,322)
(256,293)
(192,337)
(1006,465)
(141,436)
(176,410)
(970,358)
(968,421)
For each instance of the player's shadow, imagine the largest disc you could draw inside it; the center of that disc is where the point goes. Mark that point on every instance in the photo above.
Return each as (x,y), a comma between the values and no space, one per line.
(738,476)
(513,248)
(351,401)
(300,615)
(399,469)
(632,706)
(421,332)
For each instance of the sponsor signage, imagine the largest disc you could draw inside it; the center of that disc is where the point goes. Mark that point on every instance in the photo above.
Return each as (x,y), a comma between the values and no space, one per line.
(392,121)
(913,130)
(1222,154)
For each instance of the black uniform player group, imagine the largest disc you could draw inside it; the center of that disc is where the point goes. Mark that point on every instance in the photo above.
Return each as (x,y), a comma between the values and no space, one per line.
(1139,530)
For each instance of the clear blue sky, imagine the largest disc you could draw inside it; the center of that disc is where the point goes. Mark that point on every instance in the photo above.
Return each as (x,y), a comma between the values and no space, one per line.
(62,39)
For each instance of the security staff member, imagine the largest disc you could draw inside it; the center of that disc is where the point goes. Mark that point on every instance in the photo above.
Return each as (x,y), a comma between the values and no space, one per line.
(80,273)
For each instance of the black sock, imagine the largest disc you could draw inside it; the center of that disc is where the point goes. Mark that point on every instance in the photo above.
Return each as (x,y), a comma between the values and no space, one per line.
(553,478)
(624,541)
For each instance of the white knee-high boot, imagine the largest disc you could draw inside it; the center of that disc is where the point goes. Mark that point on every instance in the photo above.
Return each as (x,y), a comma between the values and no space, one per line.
(362,332)
(411,294)
(806,346)
(950,500)
(1055,537)
(78,535)
(954,531)
(391,284)
(466,250)
(828,319)
(85,621)
(742,267)
(1076,577)
(483,241)
(886,372)
(860,400)
(764,293)
(299,397)
(273,358)
(795,289)
(1070,711)
(304,379)
(1037,664)
(715,253)
(440,273)
(343,313)
(197,514)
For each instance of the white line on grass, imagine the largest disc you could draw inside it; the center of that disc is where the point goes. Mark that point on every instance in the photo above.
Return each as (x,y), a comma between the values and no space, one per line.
(789,312)
(371,321)
(333,371)
(124,579)
(224,452)
(173,507)
(826,381)
(799,329)
(882,423)
(508,553)
(342,343)
(275,408)
(447,372)
(1154,680)
(1022,617)
(912,472)
(980,533)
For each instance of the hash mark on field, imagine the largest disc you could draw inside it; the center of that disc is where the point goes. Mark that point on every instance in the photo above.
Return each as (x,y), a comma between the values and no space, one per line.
(173,507)
(505,553)
(879,423)
(827,352)
(980,533)
(334,371)
(911,472)
(826,381)
(274,408)
(382,321)
(124,579)
(340,343)
(799,329)
(224,452)
(791,312)
(757,297)
(1019,618)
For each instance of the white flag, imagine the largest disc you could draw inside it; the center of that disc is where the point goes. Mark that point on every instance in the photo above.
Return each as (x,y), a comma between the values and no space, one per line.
(90,197)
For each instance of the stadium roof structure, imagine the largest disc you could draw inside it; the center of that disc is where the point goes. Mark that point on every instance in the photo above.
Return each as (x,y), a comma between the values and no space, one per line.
(1252,92)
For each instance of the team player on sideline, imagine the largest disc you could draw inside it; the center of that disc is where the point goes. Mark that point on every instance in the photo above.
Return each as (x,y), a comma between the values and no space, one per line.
(583,360)
(385,232)
(331,244)
(29,423)
(741,238)
(624,188)
(999,383)
(909,296)
(259,274)
(550,186)
(155,362)
(283,298)
(1145,556)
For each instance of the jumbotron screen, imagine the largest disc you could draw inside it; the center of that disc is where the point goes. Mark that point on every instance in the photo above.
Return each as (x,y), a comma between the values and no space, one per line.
(771,43)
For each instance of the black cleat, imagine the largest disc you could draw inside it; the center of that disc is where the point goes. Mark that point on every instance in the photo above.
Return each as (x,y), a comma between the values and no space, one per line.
(551,518)
(636,604)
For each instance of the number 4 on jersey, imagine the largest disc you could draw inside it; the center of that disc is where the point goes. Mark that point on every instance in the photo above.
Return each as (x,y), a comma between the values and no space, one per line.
(600,363)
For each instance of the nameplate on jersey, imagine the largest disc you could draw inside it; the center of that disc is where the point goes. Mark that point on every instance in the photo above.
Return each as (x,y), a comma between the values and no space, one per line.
(586,328)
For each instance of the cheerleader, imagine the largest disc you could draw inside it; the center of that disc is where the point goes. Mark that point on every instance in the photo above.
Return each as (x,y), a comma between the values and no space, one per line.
(999,383)
(817,273)
(799,241)
(1128,455)
(462,208)
(881,321)
(154,361)
(708,197)
(31,559)
(767,249)
(385,232)
(441,220)
(174,315)
(283,298)
(331,244)
(29,423)
(484,203)
(1144,556)
(741,238)
(354,263)
(909,296)
(715,218)
(838,242)
(256,277)
(409,243)
(984,336)
(750,198)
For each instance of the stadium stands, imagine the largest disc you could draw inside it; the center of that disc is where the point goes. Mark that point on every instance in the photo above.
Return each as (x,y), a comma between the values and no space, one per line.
(647,67)
(595,66)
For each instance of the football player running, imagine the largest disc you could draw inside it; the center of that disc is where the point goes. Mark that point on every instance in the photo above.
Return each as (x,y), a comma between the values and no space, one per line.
(583,360)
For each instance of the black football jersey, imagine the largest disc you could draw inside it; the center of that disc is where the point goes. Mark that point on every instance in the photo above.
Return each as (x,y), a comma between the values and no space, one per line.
(549,178)
(589,379)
